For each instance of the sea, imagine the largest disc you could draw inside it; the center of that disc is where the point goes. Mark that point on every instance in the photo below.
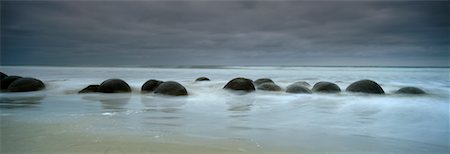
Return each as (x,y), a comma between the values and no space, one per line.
(213,120)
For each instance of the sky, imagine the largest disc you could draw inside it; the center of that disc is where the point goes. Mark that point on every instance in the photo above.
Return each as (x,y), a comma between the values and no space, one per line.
(297,33)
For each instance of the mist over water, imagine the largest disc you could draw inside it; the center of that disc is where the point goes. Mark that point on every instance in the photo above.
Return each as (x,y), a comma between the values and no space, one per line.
(59,119)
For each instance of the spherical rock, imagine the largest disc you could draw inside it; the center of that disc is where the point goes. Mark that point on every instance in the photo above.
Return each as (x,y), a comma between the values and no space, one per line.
(5,82)
(242,84)
(202,79)
(90,89)
(114,86)
(326,87)
(303,83)
(171,88)
(2,75)
(410,90)
(298,87)
(365,86)
(262,80)
(26,84)
(268,86)
(150,85)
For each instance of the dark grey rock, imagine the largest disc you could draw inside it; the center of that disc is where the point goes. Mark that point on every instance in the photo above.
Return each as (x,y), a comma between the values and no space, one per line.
(303,83)
(114,86)
(298,87)
(171,88)
(202,79)
(269,86)
(2,75)
(410,90)
(241,84)
(90,89)
(365,86)
(262,80)
(5,82)
(26,84)
(150,85)
(326,87)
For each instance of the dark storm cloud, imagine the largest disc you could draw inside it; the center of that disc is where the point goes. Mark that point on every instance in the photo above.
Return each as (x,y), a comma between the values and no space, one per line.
(224,33)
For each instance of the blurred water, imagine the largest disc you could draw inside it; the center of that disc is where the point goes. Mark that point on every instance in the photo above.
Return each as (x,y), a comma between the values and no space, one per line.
(214,118)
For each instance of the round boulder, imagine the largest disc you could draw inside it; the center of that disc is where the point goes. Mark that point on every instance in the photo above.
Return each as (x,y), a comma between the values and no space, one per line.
(410,90)
(26,84)
(303,83)
(2,75)
(242,84)
(114,86)
(268,86)
(171,88)
(202,79)
(5,82)
(262,80)
(150,85)
(365,86)
(298,87)
(90,89)
(326,87)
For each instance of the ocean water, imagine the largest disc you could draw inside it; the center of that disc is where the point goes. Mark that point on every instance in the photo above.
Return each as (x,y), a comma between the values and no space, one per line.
(213,120)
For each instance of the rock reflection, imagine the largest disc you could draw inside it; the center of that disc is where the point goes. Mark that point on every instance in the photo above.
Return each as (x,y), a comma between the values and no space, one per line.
(167,104)
(240,104)
(111,102)
(24,100)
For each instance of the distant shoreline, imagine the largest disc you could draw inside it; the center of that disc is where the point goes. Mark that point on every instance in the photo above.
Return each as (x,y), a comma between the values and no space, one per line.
(226,66)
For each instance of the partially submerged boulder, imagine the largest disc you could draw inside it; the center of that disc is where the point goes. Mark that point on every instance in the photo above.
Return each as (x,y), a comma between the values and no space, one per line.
(25,85)
(2,75)
(90,89)
(262,80)
(298,87)
(241,84)
(114,86)
(171,88)
(269,86)
(410,90)
(150,85)
(303,83)
(326,87)
(202,79)
(365,86)
(5,82)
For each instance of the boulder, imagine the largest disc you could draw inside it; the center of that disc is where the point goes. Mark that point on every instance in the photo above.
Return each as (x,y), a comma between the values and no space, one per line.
(241,84)
(262,80)
(171,88)
(2,75)
(26,84)
(114,86)
(410,90)
(326,87)
(303,83)
(5,82)
(269,86)
(90,89)
(365,86)
(202,79)
(298,87)
(150,85)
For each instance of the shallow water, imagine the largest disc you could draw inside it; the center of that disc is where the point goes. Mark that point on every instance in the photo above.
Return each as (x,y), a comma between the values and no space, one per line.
(212,120)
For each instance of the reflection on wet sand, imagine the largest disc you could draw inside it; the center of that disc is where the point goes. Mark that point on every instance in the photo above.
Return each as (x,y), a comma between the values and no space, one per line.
(163,112)
(25,100)
(111,102)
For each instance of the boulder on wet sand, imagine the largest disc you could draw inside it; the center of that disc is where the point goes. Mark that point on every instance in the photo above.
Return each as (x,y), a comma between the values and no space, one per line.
(262,80)
(150,85)
(114,86)
(365,86)
(5,82)
(202,79)
(26,84)
(3,75)
(303,83)
(241,84)
(269,86)
(410,90)
(298,87)
(326,87)
(90,89)
(171,88)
